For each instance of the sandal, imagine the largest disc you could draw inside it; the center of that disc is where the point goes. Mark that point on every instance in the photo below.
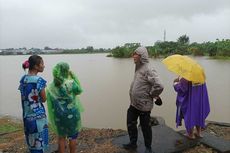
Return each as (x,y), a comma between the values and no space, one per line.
(189,137)
(198,136)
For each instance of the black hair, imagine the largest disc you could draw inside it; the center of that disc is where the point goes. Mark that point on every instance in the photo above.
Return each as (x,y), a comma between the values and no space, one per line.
(32,61)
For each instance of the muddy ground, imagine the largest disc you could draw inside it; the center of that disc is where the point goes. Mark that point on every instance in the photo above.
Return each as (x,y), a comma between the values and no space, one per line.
(89,140)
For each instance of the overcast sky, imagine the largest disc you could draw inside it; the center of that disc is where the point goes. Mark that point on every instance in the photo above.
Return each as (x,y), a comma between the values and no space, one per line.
(110,23)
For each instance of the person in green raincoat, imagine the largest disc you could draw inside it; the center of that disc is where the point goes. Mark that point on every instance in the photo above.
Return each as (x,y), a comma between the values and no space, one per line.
(64,107)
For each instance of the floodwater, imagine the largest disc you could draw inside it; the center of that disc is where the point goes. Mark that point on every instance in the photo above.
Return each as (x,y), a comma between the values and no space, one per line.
(106,82)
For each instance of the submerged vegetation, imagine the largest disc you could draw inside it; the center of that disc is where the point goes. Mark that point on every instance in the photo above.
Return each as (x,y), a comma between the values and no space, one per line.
(220,49)
(217,49)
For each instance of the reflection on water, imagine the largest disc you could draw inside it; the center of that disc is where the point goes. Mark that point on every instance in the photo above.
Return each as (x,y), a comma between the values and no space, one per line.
(106,84)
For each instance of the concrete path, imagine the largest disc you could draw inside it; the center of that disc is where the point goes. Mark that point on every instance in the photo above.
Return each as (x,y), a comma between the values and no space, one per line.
(216,143)
(166,140)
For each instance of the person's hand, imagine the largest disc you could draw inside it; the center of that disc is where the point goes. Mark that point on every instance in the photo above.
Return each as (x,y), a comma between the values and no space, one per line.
(158,101)
(176,80)
(71,74)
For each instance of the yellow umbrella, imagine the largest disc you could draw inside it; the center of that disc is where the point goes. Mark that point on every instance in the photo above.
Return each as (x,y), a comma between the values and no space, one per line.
(185,67)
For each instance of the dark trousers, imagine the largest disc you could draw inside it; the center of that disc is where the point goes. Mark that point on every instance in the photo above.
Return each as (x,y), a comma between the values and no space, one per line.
(132,115)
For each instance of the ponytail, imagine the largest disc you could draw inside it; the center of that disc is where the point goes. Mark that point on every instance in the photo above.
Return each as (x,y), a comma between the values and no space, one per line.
(25,65)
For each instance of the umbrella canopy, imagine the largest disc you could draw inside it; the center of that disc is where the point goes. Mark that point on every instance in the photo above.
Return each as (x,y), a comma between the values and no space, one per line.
(185,67)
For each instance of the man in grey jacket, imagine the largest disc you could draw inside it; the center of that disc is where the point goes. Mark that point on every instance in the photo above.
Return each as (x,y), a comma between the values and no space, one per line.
(145,87)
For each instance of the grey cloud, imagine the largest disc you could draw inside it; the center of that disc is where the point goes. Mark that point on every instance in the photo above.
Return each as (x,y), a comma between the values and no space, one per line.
(108,23)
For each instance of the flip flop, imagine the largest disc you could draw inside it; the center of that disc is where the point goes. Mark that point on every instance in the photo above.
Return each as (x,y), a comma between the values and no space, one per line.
(191,138)
(198,136)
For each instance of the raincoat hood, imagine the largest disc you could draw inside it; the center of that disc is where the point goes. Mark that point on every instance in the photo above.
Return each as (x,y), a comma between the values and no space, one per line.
(60,73)
(142,51)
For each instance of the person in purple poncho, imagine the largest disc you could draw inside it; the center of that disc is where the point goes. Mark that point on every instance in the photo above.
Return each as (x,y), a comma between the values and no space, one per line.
(192,105)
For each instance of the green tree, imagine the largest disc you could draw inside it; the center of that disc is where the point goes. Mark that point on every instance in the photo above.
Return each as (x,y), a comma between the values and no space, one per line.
(125,51)
(47,48)
(166,47)
(183,39)
(183,42)
(89,49)
(223,47)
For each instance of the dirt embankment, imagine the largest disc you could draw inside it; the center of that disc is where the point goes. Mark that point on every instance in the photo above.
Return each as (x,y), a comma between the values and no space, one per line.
(89,141)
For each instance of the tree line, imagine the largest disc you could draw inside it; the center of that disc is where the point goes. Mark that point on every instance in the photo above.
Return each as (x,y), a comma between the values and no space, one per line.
(88,49)
(219,48)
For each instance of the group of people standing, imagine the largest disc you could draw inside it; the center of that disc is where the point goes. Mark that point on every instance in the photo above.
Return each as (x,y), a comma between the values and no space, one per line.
(64,106)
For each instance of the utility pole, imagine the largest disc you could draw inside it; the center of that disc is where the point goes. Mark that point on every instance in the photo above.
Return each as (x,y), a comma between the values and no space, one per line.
(164,35)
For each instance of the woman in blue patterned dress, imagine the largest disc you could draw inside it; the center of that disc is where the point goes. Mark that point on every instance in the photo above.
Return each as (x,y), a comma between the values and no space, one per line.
(32,88)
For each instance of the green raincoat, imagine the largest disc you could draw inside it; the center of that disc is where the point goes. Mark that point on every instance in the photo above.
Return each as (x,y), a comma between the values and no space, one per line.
(64,107)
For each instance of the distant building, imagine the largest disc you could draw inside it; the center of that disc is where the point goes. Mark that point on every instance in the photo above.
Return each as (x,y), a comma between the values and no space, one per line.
(52,50)
(24,51)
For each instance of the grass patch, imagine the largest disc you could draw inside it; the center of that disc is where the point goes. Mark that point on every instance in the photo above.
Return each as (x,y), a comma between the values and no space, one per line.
(7,126)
